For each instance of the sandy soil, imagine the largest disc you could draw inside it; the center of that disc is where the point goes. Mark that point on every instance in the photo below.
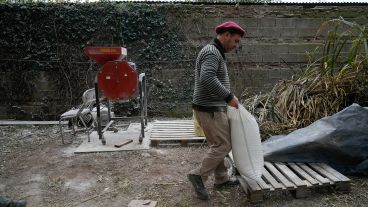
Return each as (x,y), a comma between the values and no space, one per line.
(35,166)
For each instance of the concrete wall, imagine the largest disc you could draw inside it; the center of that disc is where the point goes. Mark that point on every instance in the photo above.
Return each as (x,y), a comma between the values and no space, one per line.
(274,49)
(276,42)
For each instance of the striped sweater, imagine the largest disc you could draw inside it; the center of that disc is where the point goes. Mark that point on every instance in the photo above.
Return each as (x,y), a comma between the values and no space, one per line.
(212,85)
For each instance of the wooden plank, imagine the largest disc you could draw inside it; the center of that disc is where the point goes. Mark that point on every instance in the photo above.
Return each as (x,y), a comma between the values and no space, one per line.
(324,172)
(170,129)
(343,185)
(176,138)
(173,136)
(178,123)
(14,122)
(290,175)
(305,175)
(252,189)
(334,172)
(172,133)
(174,121)
(173,127)
(124,143)
(279,176)
(312,173)
(265,186)
(184,138)
(179,137)
(276,185)
(252,184)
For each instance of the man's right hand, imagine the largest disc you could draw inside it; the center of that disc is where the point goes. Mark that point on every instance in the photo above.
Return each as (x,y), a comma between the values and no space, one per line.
(234,102)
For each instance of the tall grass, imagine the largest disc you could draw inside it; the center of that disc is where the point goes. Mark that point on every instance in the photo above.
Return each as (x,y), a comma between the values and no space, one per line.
(332,80)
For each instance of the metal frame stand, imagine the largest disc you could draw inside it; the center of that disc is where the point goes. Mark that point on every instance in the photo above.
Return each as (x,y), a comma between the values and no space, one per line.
(143,104)
(99,132)
(143,110)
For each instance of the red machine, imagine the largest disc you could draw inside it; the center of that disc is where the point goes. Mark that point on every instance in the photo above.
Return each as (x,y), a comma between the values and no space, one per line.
(118,80)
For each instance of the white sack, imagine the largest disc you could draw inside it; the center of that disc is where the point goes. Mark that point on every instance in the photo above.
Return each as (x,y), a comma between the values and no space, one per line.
(246,143)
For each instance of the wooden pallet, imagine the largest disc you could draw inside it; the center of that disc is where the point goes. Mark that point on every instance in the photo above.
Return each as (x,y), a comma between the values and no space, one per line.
(174,132)
(297,178)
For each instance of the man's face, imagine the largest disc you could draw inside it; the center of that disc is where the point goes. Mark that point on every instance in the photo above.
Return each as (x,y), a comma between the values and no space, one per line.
(231,41)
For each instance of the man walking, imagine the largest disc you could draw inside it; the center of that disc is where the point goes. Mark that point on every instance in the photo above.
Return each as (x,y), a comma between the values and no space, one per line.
(210,99)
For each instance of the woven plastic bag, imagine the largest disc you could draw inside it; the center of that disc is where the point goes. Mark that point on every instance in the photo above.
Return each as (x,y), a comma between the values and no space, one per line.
(246,143)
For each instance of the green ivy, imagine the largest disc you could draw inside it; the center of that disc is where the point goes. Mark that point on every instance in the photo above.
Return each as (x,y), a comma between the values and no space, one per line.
(50,37)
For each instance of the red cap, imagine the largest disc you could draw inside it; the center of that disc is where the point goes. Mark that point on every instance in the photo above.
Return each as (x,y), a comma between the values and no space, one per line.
(228,27)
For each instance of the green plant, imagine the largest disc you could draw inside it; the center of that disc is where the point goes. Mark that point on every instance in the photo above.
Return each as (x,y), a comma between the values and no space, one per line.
(330,82)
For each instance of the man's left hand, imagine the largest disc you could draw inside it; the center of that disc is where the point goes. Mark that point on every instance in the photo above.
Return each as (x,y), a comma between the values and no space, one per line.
(234,102)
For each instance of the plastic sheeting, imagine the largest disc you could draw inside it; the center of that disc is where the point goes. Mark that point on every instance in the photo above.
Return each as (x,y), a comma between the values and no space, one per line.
(340,140)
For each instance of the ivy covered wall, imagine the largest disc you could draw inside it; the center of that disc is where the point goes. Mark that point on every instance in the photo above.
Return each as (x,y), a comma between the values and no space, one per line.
(44,70)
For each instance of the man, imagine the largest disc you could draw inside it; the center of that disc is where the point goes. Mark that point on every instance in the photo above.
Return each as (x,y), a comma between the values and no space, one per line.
(210,99)
(4,202)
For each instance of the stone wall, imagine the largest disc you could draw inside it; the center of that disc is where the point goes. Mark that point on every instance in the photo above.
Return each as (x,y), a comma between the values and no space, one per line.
(276,44)
(274,49)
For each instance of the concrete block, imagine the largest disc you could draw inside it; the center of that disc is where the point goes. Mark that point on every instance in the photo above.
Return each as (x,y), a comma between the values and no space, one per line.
(289,58)
(247,48)
(360,20)
(258,82)
(285,22)
(302,47)
(248,22)
(302,57)
(307,32)
(271,32)
(280,48)
(274,74)
(262,49)
(253,90)
(286,74)
(270,58)
(234,57)
(261,75)
(253,58)
(231,59)
(308,23)
(289,33)
(230,19)
(267,22)
(252,32)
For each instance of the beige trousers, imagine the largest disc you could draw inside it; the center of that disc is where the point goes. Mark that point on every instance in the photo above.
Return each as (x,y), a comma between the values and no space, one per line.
(216,128)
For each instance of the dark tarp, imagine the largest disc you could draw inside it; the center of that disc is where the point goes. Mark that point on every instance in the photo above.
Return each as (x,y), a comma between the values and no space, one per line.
(340,140)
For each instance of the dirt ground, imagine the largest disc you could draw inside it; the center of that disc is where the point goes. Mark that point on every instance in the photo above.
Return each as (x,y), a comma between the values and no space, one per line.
(36,166)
